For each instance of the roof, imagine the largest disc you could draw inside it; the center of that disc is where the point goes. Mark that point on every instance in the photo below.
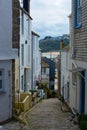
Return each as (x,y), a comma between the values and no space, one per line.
(75,70)
(44,64)
(26,13)
(35,34)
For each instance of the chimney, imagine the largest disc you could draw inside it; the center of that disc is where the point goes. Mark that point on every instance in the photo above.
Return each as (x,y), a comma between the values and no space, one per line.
(62,44)
(26,6)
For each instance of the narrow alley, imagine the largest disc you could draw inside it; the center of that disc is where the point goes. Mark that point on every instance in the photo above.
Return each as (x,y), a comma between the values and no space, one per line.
(46,115)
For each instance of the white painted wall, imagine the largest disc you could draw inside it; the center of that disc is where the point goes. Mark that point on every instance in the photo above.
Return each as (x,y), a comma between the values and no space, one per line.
(6,51)
(65,74)
(45,76)
(36,60)
(6,94)
(25,39)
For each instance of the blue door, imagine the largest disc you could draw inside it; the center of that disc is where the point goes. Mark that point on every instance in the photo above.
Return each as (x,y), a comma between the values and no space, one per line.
(82,93)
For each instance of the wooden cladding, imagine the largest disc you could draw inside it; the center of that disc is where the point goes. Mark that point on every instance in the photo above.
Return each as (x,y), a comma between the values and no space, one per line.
(80,36)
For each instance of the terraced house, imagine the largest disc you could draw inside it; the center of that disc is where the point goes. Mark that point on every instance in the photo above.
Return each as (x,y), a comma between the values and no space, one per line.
(9,44)
(78,40)
(35,60)
(25,46)
(16,55)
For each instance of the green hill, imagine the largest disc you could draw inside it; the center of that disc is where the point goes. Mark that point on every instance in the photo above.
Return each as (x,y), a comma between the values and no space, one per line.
(53,43)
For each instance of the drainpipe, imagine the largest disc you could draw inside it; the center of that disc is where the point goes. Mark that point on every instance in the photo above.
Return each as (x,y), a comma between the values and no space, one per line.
(10,93)
(13,87)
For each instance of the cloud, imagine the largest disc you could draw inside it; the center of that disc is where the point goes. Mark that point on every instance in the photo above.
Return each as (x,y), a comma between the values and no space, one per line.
(50,17)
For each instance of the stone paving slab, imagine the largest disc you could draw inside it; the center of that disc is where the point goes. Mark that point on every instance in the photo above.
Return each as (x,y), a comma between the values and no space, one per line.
(46,115)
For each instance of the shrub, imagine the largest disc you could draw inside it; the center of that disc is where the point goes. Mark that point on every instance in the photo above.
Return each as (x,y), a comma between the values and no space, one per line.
(82,117)
(83,125)
(83,121)
(50,93)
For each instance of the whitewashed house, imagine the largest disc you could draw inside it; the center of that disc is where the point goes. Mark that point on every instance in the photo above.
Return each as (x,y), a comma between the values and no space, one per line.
(78,40)
(45,71)
(9,42)
(36,60)
(65,74)
(25,46)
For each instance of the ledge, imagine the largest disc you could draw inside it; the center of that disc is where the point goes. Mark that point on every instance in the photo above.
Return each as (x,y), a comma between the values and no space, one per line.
(2,92)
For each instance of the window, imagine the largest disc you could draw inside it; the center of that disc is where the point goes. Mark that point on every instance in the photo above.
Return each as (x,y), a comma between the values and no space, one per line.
(78,13)
(22,23)
(43,70)
(74,79)
(21,3)
(22,82)
(29,55)
(26,5)
(1,79)
(22,54)
(29,27)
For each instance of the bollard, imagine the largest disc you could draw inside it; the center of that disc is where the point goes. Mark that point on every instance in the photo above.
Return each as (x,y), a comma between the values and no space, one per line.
(1,127)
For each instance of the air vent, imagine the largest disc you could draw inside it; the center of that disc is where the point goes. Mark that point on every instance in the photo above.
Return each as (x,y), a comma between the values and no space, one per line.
(25,41)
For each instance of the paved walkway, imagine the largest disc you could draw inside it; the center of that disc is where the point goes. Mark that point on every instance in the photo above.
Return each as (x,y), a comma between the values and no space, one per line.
(46,115)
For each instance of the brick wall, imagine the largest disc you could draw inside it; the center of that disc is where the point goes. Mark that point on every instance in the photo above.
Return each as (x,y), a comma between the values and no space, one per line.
(16,23)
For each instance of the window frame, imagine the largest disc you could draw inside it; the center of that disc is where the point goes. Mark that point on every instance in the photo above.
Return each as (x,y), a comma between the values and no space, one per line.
(22,54)
(78,14)
(22,22)
(44,70)
(2,78)
(22,82)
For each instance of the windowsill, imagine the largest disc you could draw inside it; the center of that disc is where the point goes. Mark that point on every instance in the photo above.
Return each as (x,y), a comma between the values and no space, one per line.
(2,92)
(78,26)
(73,85)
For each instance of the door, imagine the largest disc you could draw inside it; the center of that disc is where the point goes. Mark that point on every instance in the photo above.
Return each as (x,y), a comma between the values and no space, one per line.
(25,80)
(82,93)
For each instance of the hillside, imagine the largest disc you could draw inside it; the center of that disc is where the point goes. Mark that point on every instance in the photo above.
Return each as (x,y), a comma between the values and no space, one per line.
(53,43)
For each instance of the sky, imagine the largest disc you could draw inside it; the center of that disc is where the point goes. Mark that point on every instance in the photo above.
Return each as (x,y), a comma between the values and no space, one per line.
(50,17)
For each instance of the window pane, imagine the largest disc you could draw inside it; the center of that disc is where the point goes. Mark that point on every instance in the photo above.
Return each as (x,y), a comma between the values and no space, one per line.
(78,13)
(0,84)
(79,3)
(22,22)
(22,54)
(22,82)
(79,16)
(0,73)
(28,54)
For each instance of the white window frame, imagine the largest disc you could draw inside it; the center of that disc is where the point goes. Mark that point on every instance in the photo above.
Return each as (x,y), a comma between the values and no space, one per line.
(22,22)
(78,13)
(2,78)
(22,54)
(22,82)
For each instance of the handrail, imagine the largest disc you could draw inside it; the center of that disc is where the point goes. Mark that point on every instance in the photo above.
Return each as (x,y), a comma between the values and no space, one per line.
(25,99)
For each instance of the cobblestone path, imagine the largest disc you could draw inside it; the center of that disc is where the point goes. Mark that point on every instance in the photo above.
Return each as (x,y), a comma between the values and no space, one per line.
(47,115)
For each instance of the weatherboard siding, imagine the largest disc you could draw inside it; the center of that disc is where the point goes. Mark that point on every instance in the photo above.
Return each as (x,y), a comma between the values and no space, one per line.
(80,35)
